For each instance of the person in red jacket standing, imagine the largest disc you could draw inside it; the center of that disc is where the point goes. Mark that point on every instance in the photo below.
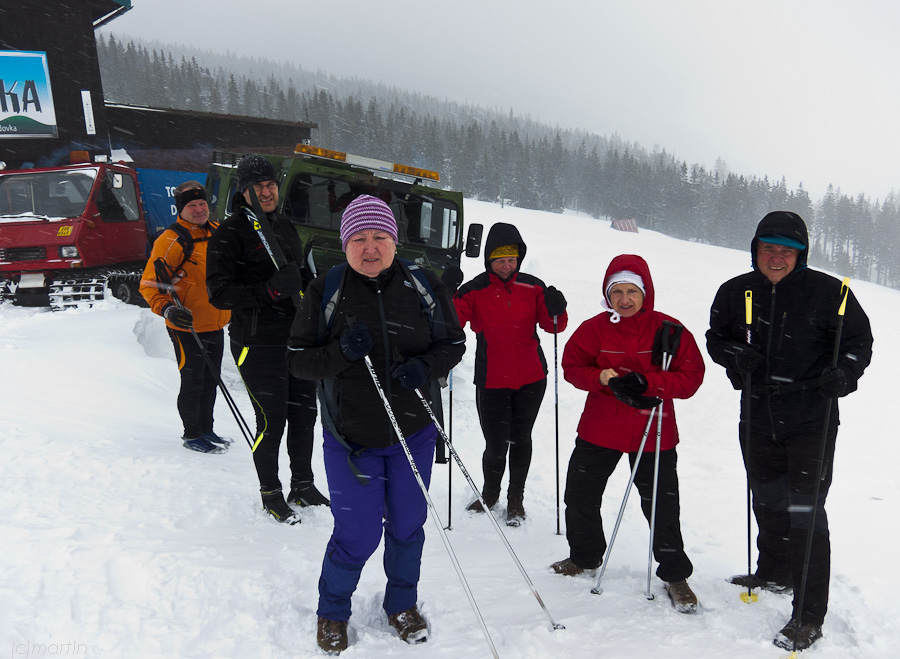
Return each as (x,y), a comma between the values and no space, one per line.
(612,356)
(504,306)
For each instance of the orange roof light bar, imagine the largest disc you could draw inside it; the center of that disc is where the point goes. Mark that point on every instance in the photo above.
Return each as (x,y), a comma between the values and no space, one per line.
(368,163)
(319,152)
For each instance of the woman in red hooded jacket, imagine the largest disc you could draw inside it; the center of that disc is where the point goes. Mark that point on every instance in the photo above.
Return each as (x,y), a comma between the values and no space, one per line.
(615,358)
(504,307)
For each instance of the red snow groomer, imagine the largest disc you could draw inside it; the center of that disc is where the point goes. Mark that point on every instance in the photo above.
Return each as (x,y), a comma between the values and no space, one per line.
(69,232)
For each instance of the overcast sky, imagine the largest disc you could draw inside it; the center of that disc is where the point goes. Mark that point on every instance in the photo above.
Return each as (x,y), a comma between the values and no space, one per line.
(805,89)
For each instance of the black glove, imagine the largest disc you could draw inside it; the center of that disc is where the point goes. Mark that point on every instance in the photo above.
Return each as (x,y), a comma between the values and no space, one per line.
(556,303)
(744,359)
(452,278)
(180,318)
(628,389)
(833,383)
(412,373)
(356,342)
(285,282)
(634,383)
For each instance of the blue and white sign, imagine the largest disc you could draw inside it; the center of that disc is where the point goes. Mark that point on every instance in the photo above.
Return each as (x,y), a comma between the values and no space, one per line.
(26,102)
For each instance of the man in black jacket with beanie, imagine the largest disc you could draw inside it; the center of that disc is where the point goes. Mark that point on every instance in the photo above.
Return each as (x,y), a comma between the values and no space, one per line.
(242,277)
(786,354)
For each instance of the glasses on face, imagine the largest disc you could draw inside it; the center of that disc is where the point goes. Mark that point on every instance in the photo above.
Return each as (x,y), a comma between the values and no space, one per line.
(271,186)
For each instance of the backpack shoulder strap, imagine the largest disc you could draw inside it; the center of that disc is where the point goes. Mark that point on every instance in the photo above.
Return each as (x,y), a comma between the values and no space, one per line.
(186,240)
(430,308)
(331,295)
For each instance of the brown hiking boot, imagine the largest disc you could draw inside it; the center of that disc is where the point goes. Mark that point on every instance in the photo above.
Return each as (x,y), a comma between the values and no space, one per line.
(331,635)
(567,568)
(476,507)
(410,624)
(683,598)
(515,511)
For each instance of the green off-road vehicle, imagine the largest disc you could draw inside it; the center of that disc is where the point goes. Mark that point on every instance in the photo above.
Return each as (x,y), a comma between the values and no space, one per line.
(315,186)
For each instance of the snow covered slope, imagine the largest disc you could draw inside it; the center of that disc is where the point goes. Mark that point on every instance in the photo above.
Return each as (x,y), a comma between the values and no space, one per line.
(118,542)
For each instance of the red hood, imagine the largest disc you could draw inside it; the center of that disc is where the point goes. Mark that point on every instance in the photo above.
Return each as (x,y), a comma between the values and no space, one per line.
(636,265)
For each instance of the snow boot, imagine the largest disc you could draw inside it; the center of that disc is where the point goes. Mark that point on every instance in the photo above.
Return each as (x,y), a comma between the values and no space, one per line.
(476,507)
(807,635)
(683,598)
(410,624)
(201,445)
(213,438)
(273,503)
(567,568)
(751,581)
(304,493)
(331,635)
(515,511)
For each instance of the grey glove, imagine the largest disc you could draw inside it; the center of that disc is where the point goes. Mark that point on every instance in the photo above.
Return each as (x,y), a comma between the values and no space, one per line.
(179,317)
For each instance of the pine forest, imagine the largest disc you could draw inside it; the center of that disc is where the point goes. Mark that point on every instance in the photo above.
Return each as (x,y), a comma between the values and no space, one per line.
(496,155)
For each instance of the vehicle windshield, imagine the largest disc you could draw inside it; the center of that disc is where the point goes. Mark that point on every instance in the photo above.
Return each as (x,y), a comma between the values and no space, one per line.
(53,195)
(320,202)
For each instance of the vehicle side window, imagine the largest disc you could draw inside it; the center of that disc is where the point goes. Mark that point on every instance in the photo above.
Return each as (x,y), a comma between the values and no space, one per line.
(117,199)
(317,201)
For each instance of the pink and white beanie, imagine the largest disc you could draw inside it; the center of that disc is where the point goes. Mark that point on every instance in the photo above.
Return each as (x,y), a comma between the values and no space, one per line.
(367,212)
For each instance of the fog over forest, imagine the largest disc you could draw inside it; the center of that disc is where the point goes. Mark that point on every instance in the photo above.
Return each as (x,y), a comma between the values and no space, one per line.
(493,154)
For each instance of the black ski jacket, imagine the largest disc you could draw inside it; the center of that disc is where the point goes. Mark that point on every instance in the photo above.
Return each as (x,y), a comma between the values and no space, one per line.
(237,269)
(794,325)
(392,310)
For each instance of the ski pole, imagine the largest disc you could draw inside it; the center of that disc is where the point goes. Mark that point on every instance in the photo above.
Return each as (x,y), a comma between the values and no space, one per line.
(749,596)
(449,466)
(475,489)
(597,590)
(666,359)
(431,508)
(556,411)
(164,281)
(648,594)
(845,292)
(269,240)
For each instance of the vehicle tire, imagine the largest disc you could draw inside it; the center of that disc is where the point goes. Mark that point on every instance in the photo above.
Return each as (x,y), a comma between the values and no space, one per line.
(127,291)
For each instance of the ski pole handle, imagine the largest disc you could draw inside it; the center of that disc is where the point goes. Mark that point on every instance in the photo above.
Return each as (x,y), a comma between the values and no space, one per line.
(748,312)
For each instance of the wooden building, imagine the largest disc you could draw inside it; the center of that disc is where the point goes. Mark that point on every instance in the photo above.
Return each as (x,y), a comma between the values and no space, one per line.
(154,138)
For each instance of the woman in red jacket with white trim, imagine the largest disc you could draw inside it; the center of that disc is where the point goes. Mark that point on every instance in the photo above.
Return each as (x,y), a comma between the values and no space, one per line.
(612,357)
(504,306)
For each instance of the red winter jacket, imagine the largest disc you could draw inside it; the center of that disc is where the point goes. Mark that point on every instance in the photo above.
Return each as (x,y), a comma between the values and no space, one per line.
(627,346)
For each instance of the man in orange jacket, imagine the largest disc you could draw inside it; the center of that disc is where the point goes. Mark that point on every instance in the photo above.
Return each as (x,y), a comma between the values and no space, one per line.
(179,257)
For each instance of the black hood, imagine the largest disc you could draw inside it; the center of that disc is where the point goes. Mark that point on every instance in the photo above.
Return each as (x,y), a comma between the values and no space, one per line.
(503,234)
(786,224)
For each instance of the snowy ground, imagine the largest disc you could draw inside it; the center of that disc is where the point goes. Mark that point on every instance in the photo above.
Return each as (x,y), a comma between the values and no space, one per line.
(117,542)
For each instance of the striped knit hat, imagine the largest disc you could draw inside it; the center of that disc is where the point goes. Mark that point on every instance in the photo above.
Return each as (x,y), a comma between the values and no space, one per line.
(367,212)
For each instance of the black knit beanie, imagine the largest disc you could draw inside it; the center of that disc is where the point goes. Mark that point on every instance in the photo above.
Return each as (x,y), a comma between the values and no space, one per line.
(254,169)
(185,197)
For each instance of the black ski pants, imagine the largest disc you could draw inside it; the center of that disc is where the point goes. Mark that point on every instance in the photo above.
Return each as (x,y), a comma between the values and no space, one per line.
(197,395)
(589,469)
(279,399)
(783,470)
(507,417)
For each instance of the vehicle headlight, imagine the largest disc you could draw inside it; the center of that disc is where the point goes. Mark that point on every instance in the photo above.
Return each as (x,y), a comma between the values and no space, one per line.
(68,252)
